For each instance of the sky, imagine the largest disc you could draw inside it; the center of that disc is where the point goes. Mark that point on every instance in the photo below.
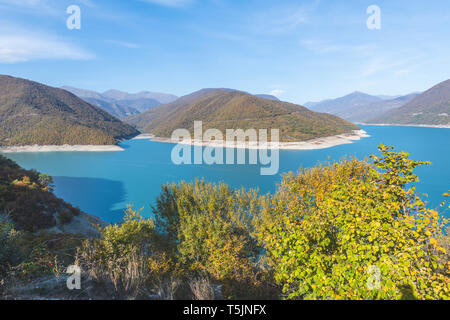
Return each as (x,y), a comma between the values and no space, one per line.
(297,50)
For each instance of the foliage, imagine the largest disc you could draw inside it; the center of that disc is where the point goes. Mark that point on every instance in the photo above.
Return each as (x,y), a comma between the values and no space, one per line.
(210,228)
(8,247)
(348,232)
(27,196)
(32,113)
(118,260)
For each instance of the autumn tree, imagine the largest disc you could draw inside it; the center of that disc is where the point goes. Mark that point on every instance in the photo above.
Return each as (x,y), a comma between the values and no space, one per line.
(349,231)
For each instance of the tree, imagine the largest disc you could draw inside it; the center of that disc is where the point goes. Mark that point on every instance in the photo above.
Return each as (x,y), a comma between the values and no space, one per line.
(348,231)
(210,228)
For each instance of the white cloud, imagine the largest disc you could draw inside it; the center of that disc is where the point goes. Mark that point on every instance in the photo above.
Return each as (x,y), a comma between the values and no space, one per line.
(125,44)
(277,92)
(281,19)
(170,3)
(27,46)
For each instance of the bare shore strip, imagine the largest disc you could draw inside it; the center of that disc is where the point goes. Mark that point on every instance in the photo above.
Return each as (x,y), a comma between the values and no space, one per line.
(64,148)
(441,126)
(315,144)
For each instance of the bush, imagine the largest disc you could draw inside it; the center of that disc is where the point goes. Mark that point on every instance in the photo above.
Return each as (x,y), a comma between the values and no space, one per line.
(65,216)
(210,230)
(118,261)
(351,232)
(9,253)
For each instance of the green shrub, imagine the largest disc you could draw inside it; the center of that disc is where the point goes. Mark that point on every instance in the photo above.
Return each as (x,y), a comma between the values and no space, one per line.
(65,216)
(211,230)
(352,232)
(118,260)
(9,255)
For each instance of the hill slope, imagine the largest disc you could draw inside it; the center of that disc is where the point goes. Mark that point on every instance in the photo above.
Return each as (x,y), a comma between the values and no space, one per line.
(231,109)
(339,105)
(33,113)
(109,105)
(116,109)
(429,108)
(363,113)
(267,96)
(27,199)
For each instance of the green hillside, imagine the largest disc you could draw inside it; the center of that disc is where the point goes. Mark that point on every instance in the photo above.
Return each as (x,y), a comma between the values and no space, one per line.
(33,113)
(230,109)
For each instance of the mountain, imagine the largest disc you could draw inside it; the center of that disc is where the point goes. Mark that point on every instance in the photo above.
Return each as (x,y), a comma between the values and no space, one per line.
(111,106)
(141,104)
(388,97)
(143,119)
(429,108)
(267,96)
(33,113)
(337,106)
(122,104)
(228,109)
(116,109)
(363,113)
(162,98)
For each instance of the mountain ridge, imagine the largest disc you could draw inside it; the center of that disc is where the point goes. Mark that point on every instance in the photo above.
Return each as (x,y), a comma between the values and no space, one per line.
(359,107)
(122,104)
(33,113)
(432,107)
(233,109)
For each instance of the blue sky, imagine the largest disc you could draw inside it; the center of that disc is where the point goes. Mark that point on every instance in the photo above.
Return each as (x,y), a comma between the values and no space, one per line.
(297,50)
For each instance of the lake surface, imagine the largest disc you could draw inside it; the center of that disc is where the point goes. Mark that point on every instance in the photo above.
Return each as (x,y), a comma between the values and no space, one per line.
(104,183)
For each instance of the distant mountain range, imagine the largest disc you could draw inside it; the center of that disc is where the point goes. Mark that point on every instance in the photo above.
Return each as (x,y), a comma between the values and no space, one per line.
(122,104)
(365,112)
(33,113)
(429,108)
(335,106)
(360,107)
(228,108)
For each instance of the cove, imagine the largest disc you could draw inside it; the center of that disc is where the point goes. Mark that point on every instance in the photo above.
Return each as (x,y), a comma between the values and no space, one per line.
(103,183)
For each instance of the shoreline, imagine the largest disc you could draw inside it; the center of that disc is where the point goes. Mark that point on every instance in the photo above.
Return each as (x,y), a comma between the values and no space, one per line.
(314,144)
(63,148)
(143,136)
(438,126)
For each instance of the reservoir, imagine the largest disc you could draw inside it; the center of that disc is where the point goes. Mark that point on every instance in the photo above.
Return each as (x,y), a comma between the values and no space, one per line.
(103,183)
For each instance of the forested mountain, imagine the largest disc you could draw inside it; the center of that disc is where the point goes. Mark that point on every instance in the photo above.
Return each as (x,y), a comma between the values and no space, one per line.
(33,113)
(429,108)
(228,109)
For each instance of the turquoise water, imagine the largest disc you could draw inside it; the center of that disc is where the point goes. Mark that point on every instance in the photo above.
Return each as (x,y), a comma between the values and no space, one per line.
(104,183)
